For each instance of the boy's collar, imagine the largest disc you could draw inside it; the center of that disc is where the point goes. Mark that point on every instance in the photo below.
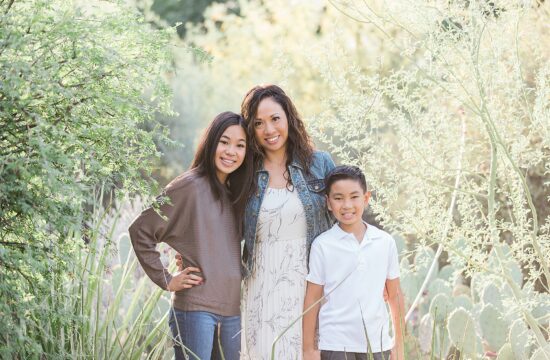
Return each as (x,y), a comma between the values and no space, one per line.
(371,234)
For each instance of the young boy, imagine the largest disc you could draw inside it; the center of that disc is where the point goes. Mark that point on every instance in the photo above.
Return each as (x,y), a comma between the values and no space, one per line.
(351,265)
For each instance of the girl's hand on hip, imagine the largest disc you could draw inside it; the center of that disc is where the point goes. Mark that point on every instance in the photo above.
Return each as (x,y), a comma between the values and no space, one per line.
(179,262)
(185,279)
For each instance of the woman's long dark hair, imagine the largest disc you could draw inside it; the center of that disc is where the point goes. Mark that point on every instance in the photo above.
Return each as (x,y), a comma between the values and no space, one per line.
(238,182)
(299,146)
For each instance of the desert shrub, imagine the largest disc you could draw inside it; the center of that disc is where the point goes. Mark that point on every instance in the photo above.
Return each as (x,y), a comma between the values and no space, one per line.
(455,142)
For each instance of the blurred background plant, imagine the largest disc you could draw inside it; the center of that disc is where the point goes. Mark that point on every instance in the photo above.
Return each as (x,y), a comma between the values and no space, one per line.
(455,143)
(444,104)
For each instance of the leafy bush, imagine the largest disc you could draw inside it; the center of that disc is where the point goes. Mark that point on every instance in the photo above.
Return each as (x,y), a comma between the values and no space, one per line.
(79,87)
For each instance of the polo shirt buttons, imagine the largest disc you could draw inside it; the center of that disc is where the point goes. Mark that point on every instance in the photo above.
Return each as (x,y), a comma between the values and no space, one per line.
(362,263)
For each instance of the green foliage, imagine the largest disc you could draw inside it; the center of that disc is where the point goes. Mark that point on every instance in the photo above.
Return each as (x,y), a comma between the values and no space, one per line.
(99,307)
(78,87)
(182,11)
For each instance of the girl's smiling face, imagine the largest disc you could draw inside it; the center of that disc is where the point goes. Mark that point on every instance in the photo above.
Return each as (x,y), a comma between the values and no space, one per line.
(230,151)
(271,126)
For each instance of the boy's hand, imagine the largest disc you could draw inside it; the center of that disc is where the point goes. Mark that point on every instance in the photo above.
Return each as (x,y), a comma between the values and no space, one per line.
(179,262)
(312,354)
(185,279)
(397,353)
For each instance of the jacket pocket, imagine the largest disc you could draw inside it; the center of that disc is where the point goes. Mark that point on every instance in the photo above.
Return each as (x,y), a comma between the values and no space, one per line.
(316,186)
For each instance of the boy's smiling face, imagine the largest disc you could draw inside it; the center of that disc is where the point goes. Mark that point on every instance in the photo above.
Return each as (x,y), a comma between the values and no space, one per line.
(347,201)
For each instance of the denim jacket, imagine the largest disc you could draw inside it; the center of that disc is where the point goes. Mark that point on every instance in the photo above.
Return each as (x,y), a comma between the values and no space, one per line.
(311,191)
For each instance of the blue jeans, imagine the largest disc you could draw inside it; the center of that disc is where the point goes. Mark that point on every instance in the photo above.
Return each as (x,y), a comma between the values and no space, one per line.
(205,335)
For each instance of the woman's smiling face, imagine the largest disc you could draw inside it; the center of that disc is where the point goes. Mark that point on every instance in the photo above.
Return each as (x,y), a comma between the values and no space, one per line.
(271,126)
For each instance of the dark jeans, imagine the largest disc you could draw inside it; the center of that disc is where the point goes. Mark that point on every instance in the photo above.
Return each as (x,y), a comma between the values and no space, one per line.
(340,355)
(205,335)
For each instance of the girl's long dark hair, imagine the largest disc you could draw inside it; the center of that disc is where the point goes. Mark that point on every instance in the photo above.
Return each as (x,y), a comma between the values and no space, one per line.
(299,146)
(238,182)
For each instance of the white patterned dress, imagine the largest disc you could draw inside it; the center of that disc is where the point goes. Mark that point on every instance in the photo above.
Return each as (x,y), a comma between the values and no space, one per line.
(274,293)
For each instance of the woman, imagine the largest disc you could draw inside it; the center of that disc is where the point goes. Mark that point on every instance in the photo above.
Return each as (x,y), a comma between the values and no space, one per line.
(202,209)
(286,210)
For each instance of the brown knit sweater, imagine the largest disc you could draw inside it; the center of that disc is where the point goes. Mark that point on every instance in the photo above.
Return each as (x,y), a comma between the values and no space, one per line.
(207,238)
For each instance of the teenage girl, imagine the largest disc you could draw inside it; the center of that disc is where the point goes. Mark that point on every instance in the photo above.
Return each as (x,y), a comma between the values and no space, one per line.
(198,215)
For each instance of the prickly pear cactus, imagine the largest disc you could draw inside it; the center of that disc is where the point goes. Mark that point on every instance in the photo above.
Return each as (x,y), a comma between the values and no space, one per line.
(410,283)
(519,340)
(425,333)
(433,337)
(461,289)
(399,243)
(117,272)
(440,307)
(423,260)
(463,301)
(124,248)
(476,287)
(438,286)
(449,274)
(441,344)
(462,333)
(508,262)
(541,311)
(162,306)
(541,353)
(505,353)
(491,295)
(493,327)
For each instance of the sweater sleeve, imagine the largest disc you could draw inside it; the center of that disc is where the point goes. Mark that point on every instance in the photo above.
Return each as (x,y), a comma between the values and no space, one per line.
(150,229)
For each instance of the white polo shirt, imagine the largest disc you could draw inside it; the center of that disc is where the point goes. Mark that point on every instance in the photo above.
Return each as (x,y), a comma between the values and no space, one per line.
(357,302)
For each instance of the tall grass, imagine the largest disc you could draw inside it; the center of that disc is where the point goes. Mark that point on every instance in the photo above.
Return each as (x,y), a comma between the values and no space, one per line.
(102,307)
(121,314)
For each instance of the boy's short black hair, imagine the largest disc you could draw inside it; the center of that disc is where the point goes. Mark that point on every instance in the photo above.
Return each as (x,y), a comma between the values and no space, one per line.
(344,172)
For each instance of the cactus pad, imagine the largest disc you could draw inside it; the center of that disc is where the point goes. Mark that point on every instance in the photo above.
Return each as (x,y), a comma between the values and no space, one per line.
(541,353)
(462,333)
(491,295)
(505,353)
(493,327)
(440,307)
(519,340)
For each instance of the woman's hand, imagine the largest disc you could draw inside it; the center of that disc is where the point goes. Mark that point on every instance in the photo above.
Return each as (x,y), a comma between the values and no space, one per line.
(185,279)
